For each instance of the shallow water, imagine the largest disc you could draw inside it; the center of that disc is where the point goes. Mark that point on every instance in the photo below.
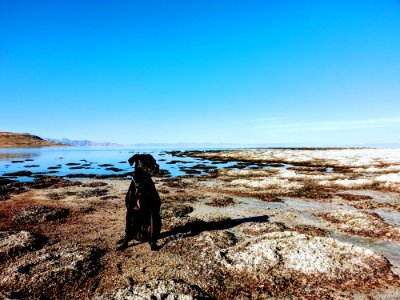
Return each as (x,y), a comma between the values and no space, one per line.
(392,217)
(388,249)
(90,160)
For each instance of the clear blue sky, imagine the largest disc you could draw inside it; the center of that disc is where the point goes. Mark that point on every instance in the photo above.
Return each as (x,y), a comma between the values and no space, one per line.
(274,71)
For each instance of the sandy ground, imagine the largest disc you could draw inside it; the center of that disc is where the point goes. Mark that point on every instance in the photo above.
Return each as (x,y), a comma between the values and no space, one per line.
(281,224)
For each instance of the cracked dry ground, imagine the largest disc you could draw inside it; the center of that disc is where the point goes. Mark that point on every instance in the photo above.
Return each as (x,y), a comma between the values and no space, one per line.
(297,232)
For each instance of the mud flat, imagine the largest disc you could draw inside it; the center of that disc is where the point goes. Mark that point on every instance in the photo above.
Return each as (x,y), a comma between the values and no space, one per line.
(325,226)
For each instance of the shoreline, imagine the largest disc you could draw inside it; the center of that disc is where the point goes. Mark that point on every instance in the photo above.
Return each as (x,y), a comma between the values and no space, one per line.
(263,232)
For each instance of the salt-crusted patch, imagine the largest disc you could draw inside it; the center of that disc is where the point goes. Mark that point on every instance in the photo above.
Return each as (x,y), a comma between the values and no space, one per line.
(16,243)
(350,168)
(289,254)
(206,242)
(347,183)
(172,289)
(394,168)
(268,183)
(390,181)
(281,260)
(334,157)
(50,272)
(216,239)
(362,223)
(390,178)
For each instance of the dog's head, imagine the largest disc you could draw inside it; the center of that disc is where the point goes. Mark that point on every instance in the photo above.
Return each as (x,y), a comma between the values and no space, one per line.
(145,162)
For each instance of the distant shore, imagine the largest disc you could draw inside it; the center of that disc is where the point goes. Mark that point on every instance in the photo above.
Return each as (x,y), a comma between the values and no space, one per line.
(24,140)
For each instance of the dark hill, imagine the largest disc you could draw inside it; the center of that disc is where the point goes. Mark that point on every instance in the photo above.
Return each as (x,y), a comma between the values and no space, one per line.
(23,140)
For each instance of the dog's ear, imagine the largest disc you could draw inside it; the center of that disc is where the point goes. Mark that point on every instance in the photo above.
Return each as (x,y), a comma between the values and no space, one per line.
(133,159)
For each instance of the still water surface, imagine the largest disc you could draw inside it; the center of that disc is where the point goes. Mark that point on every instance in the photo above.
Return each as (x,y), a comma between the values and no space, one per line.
(88,160)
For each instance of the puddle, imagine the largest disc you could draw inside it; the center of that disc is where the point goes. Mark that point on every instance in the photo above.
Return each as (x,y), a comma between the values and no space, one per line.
(392,217)
(314,205)
(390,250)
(261,204)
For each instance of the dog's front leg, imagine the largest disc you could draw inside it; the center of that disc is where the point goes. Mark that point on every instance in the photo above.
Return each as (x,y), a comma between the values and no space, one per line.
(155,228)
(128,220)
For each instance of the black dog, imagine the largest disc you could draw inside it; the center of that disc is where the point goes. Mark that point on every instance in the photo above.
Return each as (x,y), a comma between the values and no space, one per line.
(143,221)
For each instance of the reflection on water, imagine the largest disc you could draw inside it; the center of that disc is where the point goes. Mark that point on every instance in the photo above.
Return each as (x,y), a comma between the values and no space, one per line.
(8,156)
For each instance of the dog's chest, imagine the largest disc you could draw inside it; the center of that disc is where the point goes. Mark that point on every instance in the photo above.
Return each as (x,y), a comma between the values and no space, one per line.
(141,200)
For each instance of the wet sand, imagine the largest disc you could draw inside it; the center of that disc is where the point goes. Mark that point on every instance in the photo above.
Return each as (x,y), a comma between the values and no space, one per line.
(324,226)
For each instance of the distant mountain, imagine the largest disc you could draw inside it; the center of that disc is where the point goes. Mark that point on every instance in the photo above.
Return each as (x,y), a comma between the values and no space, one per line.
(194,145)
(82,143)
(24,140)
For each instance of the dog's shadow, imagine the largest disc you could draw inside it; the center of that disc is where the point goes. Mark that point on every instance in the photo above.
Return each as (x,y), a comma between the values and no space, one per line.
(196,227)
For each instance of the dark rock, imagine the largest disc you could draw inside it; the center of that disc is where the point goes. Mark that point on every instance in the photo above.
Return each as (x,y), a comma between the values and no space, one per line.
(80,175)
(173,162)
(19,173)
(10,187)
(54,168)
(203,166)
(114,169)
(190,171)
(4,181)
(72,164)
(31,166)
